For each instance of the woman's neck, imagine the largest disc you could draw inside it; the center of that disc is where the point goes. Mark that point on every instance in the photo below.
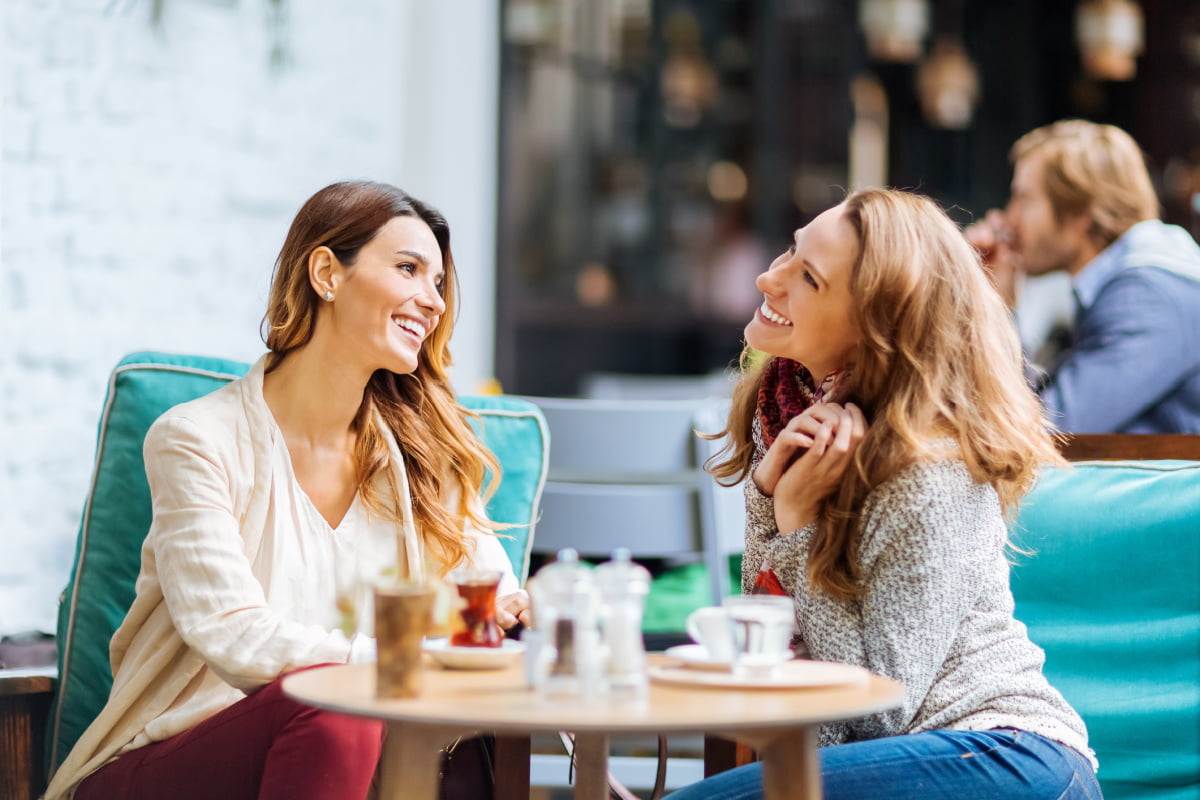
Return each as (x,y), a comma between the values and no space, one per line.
(313,398)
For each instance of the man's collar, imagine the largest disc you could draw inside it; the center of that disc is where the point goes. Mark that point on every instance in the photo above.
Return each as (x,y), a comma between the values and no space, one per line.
(1099,271)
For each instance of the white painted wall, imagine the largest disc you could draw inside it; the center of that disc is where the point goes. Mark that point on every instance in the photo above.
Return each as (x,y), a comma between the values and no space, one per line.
(148,176)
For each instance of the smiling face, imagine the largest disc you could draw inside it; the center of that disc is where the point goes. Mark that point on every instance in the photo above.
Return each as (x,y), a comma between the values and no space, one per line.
(389,301)
(807,311)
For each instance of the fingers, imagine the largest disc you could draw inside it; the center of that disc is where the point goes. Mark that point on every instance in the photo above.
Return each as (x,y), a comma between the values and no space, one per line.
(818,472)
(998,223)
(821,439)
(858,420)
(845,434)
(991,237)
(512,608)
(809,436)
(838,436)
(808,423)
(981,236)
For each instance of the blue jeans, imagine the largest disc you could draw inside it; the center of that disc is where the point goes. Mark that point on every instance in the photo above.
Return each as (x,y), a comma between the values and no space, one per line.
(1003,764)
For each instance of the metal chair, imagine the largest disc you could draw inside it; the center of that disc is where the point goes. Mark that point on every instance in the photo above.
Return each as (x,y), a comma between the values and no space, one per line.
(629,386)
(628,473)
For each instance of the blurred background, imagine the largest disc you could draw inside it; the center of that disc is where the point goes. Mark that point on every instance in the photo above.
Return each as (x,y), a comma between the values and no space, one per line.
(615,173)
(656,154)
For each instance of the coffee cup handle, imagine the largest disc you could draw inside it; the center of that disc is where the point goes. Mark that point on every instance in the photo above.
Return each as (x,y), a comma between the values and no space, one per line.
(694,622)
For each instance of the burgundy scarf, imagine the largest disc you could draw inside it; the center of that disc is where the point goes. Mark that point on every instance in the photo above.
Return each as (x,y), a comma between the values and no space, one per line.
(786,390)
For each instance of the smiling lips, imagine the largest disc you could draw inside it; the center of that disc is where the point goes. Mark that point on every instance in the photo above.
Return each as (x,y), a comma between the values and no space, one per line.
(771,316)
(411,325)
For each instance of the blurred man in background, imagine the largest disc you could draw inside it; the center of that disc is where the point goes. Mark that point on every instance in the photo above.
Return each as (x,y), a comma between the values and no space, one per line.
(1082,201)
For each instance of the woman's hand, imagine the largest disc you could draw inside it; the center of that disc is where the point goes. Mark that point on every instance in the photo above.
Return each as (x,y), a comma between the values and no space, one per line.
(513,608)
(808,459)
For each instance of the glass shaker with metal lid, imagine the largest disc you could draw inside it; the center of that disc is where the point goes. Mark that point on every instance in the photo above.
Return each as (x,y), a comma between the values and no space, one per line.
(564,608)
(623,586)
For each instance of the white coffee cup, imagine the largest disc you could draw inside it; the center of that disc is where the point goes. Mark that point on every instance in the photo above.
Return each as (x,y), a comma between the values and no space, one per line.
(712,629)
(753,632)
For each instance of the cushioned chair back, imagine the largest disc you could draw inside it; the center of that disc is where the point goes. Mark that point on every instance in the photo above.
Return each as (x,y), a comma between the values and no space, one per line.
(1112,593)
(117,515)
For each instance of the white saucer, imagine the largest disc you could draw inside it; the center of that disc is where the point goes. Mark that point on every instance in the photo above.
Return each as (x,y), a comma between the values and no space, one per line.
(473,657)
(796,674)
(695,656)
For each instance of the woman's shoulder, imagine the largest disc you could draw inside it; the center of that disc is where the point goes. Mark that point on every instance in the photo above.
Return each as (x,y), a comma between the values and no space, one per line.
(210,421)
(929,477)
(932,497)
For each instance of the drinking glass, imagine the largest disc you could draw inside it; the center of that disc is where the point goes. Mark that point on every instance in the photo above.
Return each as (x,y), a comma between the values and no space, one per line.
(477,598)
(762,632)
(402,616)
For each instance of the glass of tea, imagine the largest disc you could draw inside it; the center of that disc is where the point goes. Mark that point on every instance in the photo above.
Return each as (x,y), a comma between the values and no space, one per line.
(476,626)
(401,620)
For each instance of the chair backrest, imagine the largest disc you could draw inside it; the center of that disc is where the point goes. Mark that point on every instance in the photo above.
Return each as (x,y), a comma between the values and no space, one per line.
(626,386)
(117,515)
(627,473)
(1130,446)
(1109,591)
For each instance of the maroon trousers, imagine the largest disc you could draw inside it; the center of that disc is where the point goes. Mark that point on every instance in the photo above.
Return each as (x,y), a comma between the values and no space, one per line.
(263,747)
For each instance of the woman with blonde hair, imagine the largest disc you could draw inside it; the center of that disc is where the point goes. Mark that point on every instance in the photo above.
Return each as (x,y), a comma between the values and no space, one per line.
(883,442)
(342,452)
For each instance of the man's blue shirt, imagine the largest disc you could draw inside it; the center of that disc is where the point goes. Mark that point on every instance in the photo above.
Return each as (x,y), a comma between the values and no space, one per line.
(1134,365)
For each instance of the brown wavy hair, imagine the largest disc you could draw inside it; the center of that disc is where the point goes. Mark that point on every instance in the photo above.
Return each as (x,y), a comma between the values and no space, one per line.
(439,448)
(939,360)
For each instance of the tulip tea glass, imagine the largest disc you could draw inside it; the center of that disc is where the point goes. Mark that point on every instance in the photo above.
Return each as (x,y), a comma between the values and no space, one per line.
(477,599)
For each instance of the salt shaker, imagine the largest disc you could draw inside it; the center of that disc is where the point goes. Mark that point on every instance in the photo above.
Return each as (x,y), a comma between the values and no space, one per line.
(623,586)
(564,606)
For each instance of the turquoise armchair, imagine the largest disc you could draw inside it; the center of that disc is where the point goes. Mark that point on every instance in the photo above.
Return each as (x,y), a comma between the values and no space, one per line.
(117,515)
(1110,589)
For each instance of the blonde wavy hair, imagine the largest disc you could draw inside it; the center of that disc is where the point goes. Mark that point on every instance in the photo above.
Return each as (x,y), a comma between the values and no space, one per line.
(1093,170)
(420,410)
(939,360)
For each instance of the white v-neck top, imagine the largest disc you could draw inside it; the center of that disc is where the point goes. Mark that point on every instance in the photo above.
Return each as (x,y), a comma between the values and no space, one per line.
(240,574)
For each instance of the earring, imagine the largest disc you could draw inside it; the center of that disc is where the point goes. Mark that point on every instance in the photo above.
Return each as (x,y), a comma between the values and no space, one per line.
(328,295)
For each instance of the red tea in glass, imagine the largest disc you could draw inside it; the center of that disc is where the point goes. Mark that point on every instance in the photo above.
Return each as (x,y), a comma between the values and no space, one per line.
(477,590)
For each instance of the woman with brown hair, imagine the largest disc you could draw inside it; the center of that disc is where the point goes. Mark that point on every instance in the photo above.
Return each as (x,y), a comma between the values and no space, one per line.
(883,442)
(340,455)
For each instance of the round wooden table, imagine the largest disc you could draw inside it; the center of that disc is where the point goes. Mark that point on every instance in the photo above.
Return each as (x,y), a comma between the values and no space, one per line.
(780,723)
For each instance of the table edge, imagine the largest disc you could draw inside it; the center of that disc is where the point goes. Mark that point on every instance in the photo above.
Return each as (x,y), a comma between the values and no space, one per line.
(892,695)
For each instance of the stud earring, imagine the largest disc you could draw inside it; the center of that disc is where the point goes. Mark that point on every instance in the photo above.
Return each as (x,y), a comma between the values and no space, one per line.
(328,295)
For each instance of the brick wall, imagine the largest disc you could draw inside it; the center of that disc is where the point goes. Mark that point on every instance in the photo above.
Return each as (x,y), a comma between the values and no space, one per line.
(147,178)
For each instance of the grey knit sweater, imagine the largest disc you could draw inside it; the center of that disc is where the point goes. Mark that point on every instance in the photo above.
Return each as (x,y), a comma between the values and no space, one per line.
(936,615)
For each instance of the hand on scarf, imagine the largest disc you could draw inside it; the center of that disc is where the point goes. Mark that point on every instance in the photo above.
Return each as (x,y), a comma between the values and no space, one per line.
(807,460)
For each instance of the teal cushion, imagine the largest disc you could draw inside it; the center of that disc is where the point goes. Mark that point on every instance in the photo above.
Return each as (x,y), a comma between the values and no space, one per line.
(516,433)
(117,515)
(1111,591)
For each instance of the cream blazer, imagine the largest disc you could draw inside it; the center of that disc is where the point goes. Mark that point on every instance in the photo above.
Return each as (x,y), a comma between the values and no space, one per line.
(196,643)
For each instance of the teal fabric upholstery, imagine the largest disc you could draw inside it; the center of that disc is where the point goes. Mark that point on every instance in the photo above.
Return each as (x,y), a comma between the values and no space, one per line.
(117,515)
(1111,591)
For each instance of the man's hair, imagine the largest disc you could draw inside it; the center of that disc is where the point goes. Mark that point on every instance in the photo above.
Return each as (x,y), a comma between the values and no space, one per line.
(1094,170)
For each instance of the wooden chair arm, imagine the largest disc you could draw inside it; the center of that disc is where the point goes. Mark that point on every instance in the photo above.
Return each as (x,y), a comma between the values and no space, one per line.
(24,708)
